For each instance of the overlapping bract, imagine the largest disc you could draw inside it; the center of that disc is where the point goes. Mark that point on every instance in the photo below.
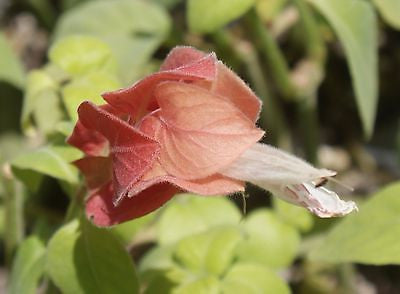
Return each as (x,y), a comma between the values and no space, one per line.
(173,130)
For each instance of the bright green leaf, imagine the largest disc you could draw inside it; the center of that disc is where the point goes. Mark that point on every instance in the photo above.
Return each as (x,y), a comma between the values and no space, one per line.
(188,214)
(84,259)
(390,11)
(88,87)
(270,241)
(253,279)
(296,216)
(370,236)
(54,161)
(28,266)
(79,55)
(11,69)
(354,22)
(206,16)
(203,285)
(134,29)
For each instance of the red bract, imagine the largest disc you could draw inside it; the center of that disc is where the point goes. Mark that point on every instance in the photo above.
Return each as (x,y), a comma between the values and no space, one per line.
(172,131)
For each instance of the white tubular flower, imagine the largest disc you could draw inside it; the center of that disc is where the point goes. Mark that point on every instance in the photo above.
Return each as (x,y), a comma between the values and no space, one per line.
(289,178)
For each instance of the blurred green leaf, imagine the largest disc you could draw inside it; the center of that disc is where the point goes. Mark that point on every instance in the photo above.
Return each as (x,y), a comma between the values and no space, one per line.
(84,259)
(202,285)
(28,267)
(206,16)
(269,9)
(11,69)
(134,29)
(128,230)
(270,241)
(53,161)
(370,236)
(390,11)
(354,22)
(253,278)
(41,102)
(188,214)
(296,216)
(211,252)
(80,55)
(168,3)
(88,87)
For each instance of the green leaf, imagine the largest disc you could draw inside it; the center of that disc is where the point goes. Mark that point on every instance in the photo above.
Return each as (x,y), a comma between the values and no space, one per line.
(128,230)
(270,241)
(390,11)
(80,55)
(355,24)
(296,216)
(203,285)
(41,103)
(188,214)
(210,252)
(11,69)
(88,87)
(206,16)
(370,236)
(53,161)
(269,9)
(84,259)
(253,278)
(28,266)
(133,29)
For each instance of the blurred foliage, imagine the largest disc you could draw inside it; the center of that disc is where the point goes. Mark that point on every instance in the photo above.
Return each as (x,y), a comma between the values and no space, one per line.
(326,71)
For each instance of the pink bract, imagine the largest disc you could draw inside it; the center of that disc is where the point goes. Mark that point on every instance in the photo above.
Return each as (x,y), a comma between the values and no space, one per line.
(172,131)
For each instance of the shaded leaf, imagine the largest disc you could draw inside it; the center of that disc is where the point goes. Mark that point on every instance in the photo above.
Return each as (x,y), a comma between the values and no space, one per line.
(134,29)
(390,11)
(370,236)
(84,259)
(206,16)
(253,278)
(270,241)
(11,69)
(28,266)
(188,214)
(354,22)
(53,161)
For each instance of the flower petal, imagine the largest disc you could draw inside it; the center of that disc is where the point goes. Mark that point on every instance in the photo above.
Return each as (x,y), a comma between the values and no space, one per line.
(138,99)
(101,210)
(89,141)
(213,185)
(201,132)
(97,170)
(132,152)
(229,85)
(181,56)
(318,200)
(289,178)
(263,163)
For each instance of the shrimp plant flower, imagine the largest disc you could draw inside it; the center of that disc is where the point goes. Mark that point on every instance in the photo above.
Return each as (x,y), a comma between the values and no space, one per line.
(191,126)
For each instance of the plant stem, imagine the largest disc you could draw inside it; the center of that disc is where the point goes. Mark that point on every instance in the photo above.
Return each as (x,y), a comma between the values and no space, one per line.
(314,45)
(269,48)
(14,220)
(75,205)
